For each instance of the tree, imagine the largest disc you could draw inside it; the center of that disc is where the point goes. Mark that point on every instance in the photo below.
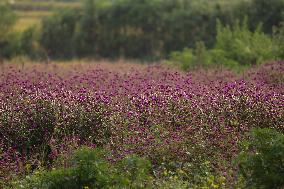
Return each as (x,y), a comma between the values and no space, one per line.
(57,34)
(7,20)
(87,32)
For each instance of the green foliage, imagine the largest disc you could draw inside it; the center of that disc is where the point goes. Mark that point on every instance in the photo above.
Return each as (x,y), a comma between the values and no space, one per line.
(86,32)
(190,59)
(133,28)
(10,46)
(235,47)
(261,161)
(177,183)
(134,171)
(187,175)
(278,38)
(269,13)
(14,44)
(243,46)
(185,58)
(152,29)
(29,45)
(171,183)
(7,20)
(87,168)
(211,181)
(57,34)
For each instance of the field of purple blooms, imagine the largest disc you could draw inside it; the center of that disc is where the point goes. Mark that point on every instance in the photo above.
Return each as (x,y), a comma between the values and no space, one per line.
(173,118)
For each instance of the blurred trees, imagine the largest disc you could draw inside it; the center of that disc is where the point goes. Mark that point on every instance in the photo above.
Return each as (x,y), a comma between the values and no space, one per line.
(269,13)
(146,29)
(86,35)
(130,28)
(7,20)
(235,47)
(57,34)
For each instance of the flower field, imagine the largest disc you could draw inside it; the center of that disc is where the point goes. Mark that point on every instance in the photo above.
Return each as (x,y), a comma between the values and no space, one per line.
(179,121)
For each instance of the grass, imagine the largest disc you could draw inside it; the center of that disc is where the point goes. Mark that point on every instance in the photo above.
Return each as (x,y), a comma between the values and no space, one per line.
(24,23)
(44,5)
(30,12)
(33,14)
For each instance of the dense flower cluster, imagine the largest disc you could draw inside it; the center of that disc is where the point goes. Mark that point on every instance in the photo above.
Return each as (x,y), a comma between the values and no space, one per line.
(152,111)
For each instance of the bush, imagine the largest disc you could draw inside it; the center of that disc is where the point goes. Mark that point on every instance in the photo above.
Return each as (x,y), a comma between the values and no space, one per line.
(243,46)
(186,59)
(261,161)
(235,47)
(279,39)
(134,171)
(87,168)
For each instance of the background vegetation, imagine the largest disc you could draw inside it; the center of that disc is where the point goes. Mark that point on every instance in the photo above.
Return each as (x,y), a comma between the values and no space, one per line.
(146,29)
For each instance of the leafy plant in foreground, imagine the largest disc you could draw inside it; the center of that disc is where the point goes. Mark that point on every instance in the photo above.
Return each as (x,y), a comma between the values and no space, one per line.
(261,161)
(88,169)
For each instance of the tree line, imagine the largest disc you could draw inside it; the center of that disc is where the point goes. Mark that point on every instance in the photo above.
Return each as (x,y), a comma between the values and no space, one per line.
(143,29)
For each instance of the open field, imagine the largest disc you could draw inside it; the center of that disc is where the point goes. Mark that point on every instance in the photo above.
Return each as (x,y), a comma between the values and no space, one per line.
(168,116)
(30,12)
(26,22)
(29,5)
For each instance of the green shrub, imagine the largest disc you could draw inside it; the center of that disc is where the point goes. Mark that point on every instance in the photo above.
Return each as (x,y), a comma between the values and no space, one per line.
(278,38)
(14,44)
(10,45)
(236,47)
(261,161)
(243,46)
(134,171)
(185,59)
(87,168)
(171,183)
